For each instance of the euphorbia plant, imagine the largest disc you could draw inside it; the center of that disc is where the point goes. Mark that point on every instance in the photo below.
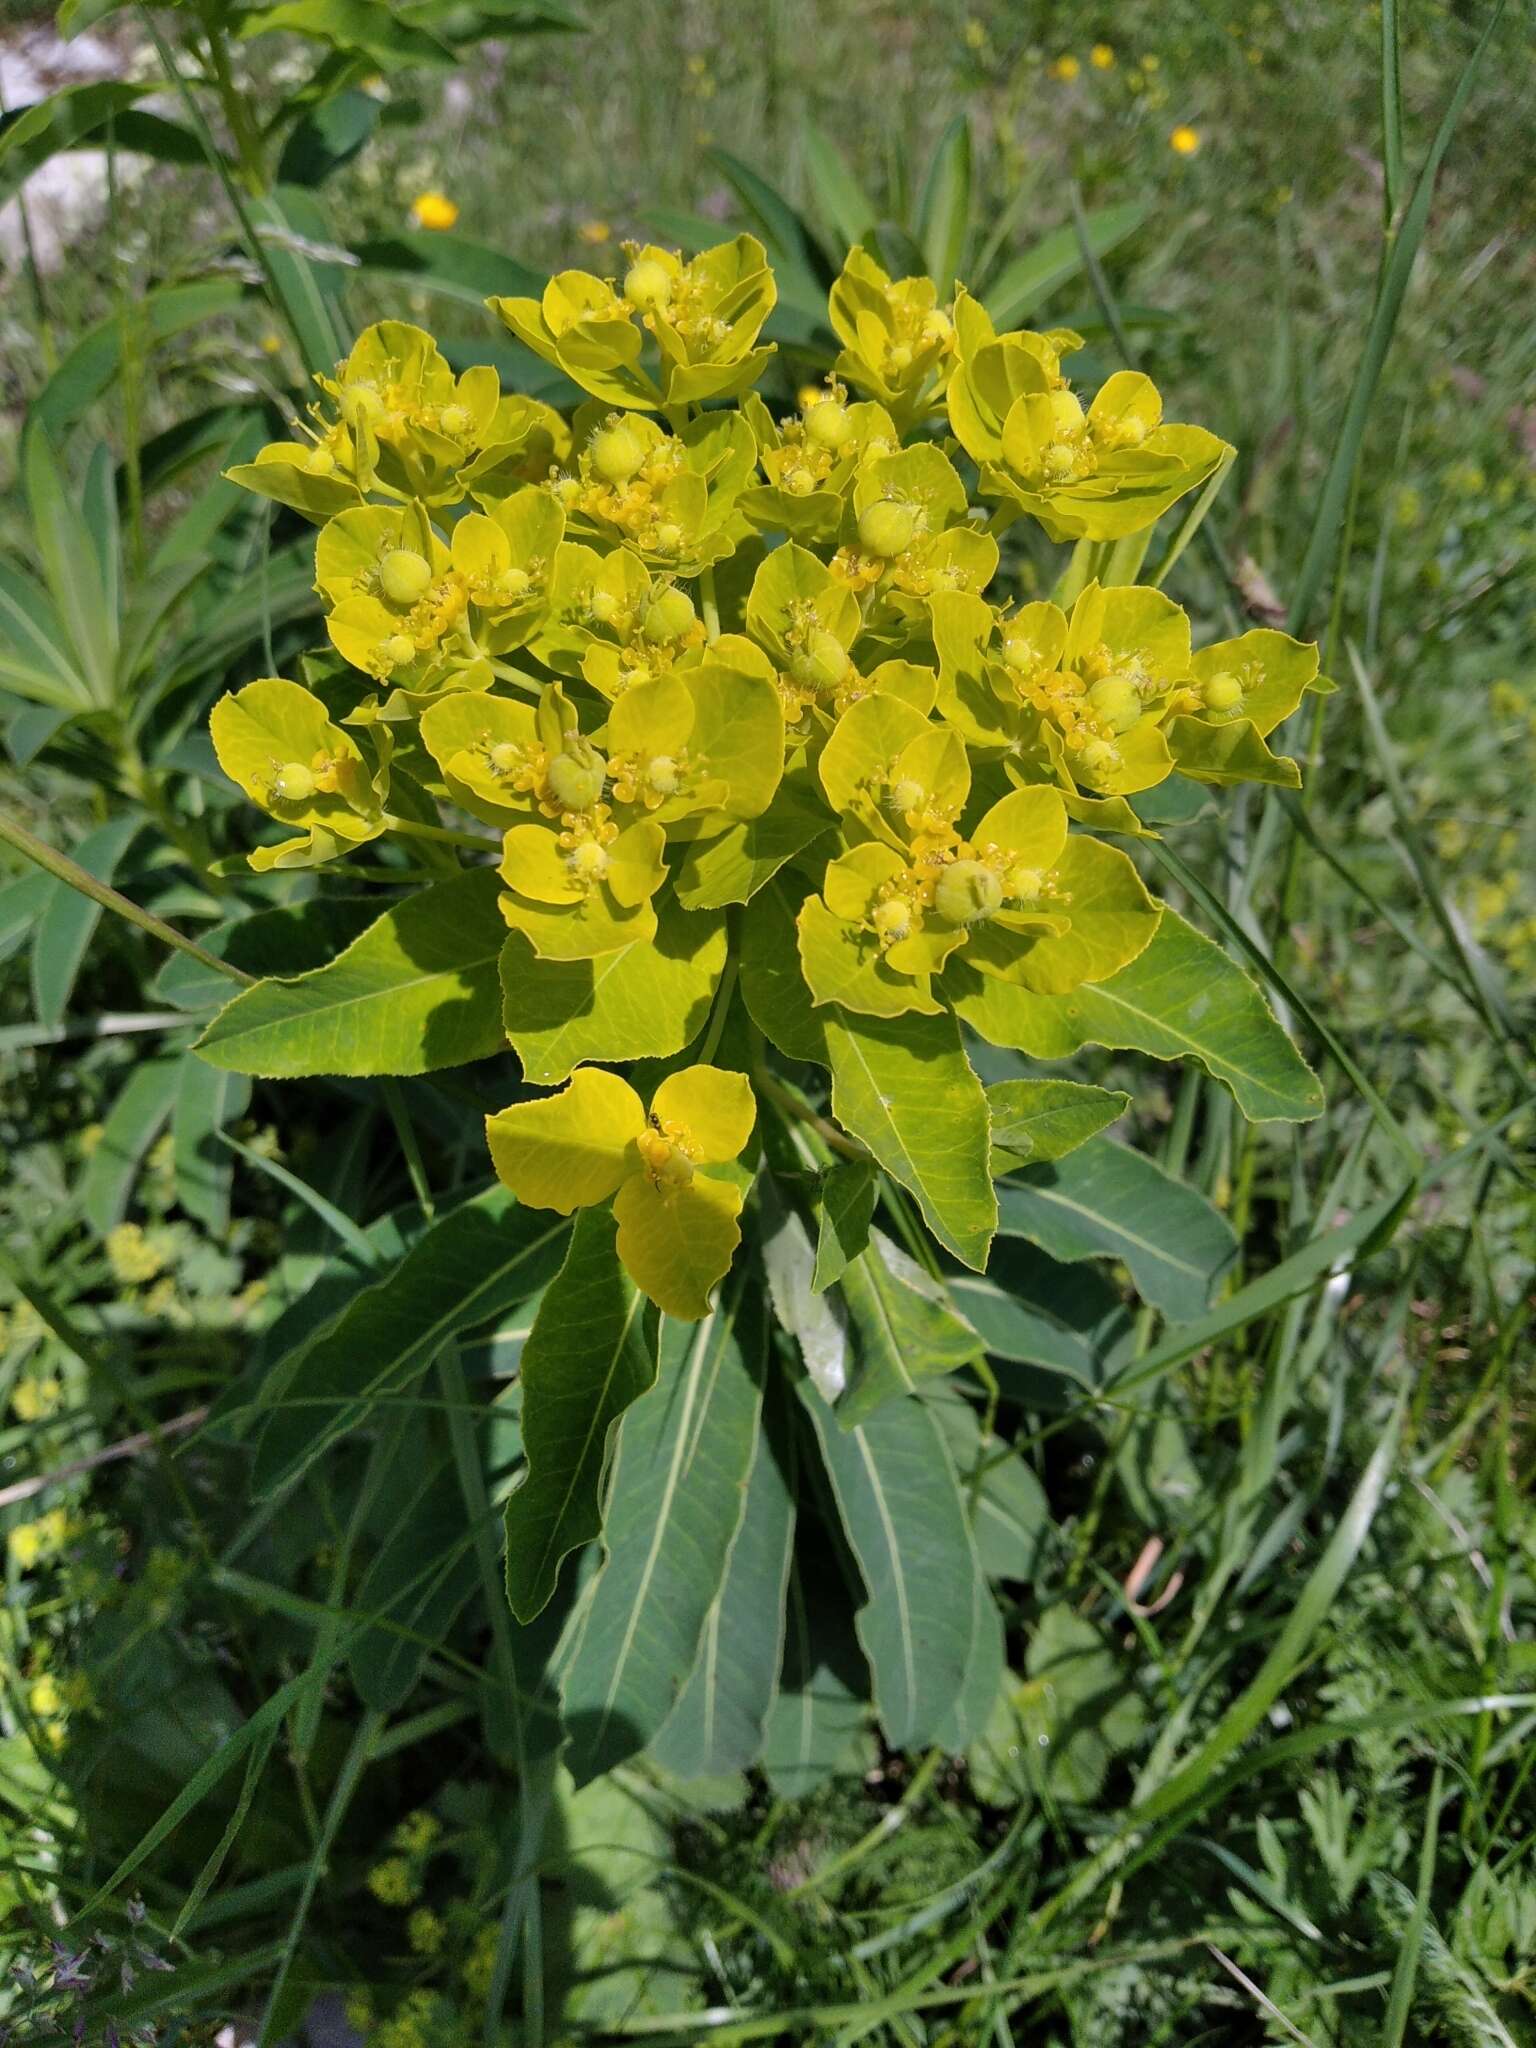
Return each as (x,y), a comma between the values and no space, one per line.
(741,770)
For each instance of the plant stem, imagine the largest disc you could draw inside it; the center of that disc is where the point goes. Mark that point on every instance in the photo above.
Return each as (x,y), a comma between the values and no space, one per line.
(66,870)
(710,602)
(783,1098)
(441,833)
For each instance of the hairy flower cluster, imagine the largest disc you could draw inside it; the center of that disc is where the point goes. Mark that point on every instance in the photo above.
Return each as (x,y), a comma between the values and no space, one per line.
(691,653)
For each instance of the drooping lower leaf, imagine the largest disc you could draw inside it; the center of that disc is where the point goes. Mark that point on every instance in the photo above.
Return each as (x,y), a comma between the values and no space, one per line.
(721,1716)
(900,1506)
(818,1725)
(591,1352)
(679,1486)
(1106,1201)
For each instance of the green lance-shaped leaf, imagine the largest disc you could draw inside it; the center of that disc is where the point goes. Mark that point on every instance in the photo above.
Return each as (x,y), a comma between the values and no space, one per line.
(984,1667)
(207,1101)
(1010,1515)
(1106,1201)
(1034,1121)
(468,1270)
(818,1725)
(901,1510)
(772,985)
(679,1488)
(68,922)
(904,1086)
(146,1101)
(416,992)
(591,1352)
(905,1329)
(719,1722)
(422,1575)
(649,999)
(846,1202)
(1067,1321)
(1183,998)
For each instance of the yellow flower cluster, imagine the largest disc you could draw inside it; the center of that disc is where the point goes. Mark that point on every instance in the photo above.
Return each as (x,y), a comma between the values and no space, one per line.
(695,638)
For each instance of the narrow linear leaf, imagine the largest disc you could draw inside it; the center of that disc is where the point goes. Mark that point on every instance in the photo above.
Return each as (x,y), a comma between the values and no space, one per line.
(413,1590)
(69,920)
(469,1269)
(129,1130)
(207,1102)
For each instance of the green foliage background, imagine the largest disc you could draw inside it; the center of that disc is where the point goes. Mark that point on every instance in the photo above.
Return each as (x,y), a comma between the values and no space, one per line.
(1273,1781)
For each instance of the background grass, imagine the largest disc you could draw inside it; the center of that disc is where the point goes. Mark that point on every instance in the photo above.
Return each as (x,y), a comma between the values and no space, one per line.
(1302,1694)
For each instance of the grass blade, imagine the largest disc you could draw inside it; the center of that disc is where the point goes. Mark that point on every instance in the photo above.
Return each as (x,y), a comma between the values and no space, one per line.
(1389,301)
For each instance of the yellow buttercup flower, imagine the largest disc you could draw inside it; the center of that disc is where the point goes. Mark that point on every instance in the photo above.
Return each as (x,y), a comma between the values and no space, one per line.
(1184,140)
(595,232)
(1102,57)
(1065,68)
(434,210)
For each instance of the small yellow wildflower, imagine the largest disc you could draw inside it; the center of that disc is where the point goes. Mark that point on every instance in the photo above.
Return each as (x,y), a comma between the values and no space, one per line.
(1066,69)
(44,1697)
(271,342)
(1184,140)
(1451,839)
(434,210)
(424,1931)
(480,1964)
(391,1882)
(416,1833)
(1102,57)
(132,1257)
(30,1542)
(1151,62)
(34,1398)
(595,231)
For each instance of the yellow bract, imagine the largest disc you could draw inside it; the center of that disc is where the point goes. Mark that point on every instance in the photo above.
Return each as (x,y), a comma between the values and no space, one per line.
(677,1227)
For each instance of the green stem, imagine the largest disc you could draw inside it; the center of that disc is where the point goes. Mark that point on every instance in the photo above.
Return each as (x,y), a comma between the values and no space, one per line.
(710,602)
(66,870)
(440,833)
(718,1014)
(784,1099)
(232,102)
